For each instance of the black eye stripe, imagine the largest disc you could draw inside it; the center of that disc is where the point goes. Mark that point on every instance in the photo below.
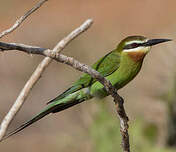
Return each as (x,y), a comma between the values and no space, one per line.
(132,45)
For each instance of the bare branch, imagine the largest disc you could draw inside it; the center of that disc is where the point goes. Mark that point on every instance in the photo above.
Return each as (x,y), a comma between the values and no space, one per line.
(22,18)
(123,123)
(37,74)
(83,68)
(21,47)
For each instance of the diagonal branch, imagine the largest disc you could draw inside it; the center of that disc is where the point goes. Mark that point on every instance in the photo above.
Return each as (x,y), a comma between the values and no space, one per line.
(37,74)
(22,18)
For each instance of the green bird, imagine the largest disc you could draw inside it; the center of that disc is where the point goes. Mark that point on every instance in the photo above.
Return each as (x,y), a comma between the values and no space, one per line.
(119,66)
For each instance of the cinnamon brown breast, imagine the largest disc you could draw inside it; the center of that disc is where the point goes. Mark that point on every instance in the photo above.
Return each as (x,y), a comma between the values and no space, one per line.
(136,56)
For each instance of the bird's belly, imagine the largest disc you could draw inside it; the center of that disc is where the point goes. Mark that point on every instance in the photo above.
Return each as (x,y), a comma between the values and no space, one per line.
(119,79)
(126,75)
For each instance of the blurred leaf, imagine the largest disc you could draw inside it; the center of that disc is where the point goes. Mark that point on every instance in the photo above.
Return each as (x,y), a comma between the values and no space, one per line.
(150,132)
(105,132)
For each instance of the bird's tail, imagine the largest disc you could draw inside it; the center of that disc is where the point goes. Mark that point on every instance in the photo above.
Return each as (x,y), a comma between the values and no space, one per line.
(49,109)
(46,111)
(53,107)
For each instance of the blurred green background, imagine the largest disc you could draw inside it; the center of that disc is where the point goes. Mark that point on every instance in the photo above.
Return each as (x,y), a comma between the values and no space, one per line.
(91,126)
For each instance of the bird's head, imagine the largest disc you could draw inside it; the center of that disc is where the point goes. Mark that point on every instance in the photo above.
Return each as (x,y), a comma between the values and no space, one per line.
(138,46)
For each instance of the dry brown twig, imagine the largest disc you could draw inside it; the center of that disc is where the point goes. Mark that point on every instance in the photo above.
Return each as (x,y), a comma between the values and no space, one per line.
(55,54)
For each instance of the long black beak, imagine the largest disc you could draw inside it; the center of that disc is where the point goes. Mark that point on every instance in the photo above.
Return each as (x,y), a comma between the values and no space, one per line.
(155,41)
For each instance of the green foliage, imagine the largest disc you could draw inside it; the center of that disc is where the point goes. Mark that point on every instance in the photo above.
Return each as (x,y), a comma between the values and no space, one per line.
(150,132)
(106,136)
(105,132)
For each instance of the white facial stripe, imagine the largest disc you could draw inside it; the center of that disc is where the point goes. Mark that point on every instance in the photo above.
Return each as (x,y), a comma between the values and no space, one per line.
(138,49)
(136,41)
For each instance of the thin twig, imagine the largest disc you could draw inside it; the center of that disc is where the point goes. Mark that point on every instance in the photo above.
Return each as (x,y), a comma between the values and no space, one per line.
(37,74)
(22,18)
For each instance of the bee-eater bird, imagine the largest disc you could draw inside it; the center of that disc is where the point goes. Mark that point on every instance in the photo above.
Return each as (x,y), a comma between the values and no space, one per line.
(119,66)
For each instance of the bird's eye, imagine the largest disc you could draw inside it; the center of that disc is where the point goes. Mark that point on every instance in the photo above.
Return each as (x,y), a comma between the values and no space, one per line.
(133,45)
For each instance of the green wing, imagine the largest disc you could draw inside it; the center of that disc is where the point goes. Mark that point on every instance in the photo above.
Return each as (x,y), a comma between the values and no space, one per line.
(105,65)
